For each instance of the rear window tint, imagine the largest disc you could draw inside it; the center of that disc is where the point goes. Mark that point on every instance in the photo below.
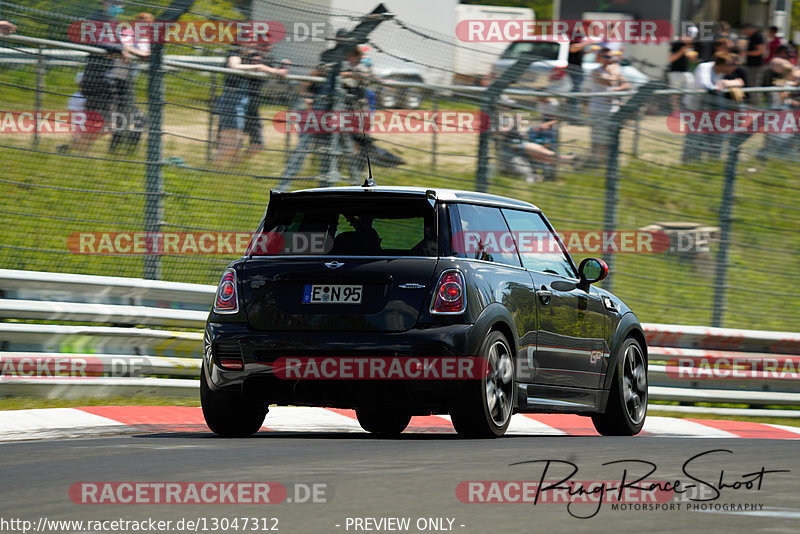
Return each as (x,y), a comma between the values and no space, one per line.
(349,227)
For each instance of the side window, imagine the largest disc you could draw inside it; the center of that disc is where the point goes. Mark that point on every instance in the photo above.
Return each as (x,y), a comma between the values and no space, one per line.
(484,235)
(538,246)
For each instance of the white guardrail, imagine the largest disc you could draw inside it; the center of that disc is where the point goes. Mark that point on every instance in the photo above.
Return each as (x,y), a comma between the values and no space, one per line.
(130,346)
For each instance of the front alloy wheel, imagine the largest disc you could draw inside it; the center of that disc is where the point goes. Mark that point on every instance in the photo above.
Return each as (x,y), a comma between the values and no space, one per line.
(627,402)
(487,404)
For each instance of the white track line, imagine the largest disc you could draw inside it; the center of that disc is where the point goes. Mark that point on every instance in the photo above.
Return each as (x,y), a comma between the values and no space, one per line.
(667,426)
(52,422)
(525,426)
(792,429)
(301,419)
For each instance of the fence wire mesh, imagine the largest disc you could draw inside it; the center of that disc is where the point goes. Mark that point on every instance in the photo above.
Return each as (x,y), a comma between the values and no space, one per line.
(223,146)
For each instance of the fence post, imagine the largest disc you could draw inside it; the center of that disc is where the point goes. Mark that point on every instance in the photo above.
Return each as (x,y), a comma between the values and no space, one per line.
(433,139)
(725,223)
(612,169)
(41,68)
(212,103)
(154,172)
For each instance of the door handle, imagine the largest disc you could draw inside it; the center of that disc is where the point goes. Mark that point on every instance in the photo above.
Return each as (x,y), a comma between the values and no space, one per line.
(544,295)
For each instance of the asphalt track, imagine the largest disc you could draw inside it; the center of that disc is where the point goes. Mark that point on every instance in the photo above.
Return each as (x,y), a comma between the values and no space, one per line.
(415,476)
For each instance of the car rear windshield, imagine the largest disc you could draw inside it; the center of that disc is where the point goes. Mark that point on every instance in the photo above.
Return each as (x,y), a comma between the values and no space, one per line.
(539,50)
(369,226)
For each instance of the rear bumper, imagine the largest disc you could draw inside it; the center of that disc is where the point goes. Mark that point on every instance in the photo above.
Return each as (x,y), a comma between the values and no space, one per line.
(259,350)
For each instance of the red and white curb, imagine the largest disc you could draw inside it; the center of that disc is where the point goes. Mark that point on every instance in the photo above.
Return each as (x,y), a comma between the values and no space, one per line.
(105,420)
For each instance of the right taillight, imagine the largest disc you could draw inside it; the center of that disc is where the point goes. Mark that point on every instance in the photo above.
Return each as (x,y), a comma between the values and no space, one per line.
(227,298)
(451,293)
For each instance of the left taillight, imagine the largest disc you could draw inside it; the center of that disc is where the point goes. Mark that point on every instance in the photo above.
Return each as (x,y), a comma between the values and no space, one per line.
(451,294)
(227,298)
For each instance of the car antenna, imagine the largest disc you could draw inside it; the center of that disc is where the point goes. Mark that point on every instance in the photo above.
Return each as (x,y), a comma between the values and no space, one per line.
(369,182)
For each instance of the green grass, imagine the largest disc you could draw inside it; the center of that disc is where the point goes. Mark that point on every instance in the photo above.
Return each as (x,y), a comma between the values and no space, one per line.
(28,403)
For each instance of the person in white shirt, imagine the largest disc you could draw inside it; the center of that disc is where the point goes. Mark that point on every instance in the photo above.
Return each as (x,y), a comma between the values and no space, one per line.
(711,77)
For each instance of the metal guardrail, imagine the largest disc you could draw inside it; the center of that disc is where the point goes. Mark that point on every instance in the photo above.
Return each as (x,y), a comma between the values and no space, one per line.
(688,364)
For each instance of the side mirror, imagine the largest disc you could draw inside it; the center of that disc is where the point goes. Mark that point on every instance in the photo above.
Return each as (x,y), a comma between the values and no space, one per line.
(592,270)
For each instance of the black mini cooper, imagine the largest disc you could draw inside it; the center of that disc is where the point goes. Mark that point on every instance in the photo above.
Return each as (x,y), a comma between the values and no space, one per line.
(401,301)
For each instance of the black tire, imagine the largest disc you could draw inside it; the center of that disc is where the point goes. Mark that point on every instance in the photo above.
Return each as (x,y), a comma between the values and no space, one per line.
(477,415)
(627,401)
(382,422)
(228,414)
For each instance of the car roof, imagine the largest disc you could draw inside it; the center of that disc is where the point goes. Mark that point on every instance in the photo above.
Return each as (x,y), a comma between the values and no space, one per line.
(447,195)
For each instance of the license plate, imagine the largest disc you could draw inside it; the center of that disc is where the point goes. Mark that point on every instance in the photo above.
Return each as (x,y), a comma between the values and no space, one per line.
(332,294)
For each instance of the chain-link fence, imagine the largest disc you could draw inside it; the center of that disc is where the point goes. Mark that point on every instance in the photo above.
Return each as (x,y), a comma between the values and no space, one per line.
(180,144)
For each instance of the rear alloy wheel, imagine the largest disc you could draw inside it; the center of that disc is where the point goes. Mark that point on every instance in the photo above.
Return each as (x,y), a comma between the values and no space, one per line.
(383,422)
(627,401)
(227,414)
(487,405)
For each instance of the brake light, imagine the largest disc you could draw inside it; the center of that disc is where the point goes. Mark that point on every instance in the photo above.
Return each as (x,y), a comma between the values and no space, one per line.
(450,296)
(227,298)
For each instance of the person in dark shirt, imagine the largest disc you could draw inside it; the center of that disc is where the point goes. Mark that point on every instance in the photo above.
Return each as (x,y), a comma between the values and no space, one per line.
(678,75)
(575,70)
(96,85)
(754,58)
(238,105)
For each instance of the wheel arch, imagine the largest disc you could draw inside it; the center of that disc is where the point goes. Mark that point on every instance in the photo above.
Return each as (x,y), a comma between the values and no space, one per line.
(628,326)
(495,317)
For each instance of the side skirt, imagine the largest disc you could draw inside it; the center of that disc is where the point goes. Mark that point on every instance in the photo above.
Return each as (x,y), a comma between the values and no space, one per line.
(538,398)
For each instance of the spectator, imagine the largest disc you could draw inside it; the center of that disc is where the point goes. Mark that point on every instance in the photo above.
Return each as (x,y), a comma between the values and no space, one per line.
(96,87)
(76,101)
(779,73)
(720,45)
(127,122)
(7,28)
(516,152)
(711,76)
(678,75)
(786,52)
(773,42)
(725,34)
(605,78)
(775,75)
(575,70)
(238,105)
(754,57)
(76,104)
